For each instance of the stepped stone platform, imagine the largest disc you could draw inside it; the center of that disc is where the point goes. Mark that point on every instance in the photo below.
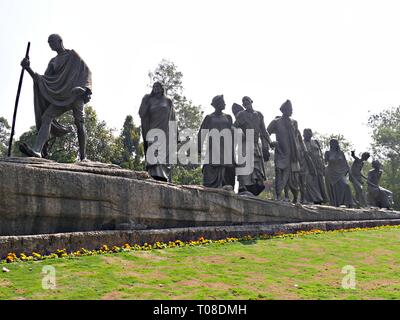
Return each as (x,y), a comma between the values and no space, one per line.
(39,196)
(49,243)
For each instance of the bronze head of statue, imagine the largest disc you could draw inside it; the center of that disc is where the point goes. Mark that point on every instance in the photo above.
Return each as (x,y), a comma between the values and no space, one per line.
(158,89)
(56,43)
(307,134)
(376,164)
(286,108)
(365,156)
(247,103)
(334,145)
(218,103)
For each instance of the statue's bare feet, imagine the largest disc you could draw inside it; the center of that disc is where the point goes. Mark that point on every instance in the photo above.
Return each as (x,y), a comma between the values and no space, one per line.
(36,154)
(25,149)
(227,188)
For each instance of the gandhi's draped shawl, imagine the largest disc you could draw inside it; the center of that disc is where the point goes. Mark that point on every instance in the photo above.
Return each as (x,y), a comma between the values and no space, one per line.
(65,72)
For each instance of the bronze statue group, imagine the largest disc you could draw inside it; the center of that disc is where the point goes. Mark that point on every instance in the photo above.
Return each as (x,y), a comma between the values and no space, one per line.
(301,168)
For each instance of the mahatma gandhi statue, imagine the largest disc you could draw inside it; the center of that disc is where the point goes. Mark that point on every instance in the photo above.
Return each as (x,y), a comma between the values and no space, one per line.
(66,85)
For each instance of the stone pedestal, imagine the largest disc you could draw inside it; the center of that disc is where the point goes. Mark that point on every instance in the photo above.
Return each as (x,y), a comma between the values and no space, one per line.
(43,197)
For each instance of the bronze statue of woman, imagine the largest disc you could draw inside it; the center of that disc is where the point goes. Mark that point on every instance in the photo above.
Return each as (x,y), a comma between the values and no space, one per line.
(315,184)
(156,111)
(336,172)
(222,173)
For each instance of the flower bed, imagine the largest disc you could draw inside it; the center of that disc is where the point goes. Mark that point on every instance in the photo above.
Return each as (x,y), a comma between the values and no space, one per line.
(62,253)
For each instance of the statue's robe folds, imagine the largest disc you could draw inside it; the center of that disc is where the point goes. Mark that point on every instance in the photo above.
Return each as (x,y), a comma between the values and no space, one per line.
(378,196)
(308,191)
(253,120)
(356,180)
(157,113)
(337,184)
(315,184)
(287,154)
(222,173)
(65,71)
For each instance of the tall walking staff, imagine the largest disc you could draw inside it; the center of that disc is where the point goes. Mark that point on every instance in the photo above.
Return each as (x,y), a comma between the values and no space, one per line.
(21,78)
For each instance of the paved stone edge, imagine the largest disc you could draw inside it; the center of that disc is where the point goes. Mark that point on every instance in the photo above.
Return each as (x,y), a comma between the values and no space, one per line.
(49,243)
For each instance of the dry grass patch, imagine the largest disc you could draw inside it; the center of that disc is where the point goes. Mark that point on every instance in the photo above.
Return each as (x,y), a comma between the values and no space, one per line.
(5,283)
(199,283)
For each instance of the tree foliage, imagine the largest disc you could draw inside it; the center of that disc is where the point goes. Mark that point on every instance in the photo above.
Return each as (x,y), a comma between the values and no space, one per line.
(185,175)
(386,133)
(386,147)
(345,145)
(168,75)
(4,136)
(188,114)
(101,143)
(131,147)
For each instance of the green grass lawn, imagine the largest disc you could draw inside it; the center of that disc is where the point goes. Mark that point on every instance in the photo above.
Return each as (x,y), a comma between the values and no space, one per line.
(307,267)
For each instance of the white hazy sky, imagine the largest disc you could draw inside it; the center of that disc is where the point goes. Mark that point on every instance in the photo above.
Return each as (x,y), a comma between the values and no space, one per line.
(335,60)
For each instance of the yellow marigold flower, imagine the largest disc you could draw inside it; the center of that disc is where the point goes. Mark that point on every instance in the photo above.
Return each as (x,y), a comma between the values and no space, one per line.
(36,256)
(11,257)
(116,249)
(23,257)
(126,246)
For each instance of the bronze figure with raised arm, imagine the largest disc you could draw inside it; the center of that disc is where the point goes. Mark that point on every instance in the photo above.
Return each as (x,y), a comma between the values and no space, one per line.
(356,177)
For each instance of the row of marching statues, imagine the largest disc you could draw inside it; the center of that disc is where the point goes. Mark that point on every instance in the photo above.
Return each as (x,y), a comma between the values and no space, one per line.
(301,168)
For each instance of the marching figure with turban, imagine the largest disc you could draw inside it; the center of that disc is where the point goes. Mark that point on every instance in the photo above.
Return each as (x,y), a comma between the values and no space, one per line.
(287,152)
